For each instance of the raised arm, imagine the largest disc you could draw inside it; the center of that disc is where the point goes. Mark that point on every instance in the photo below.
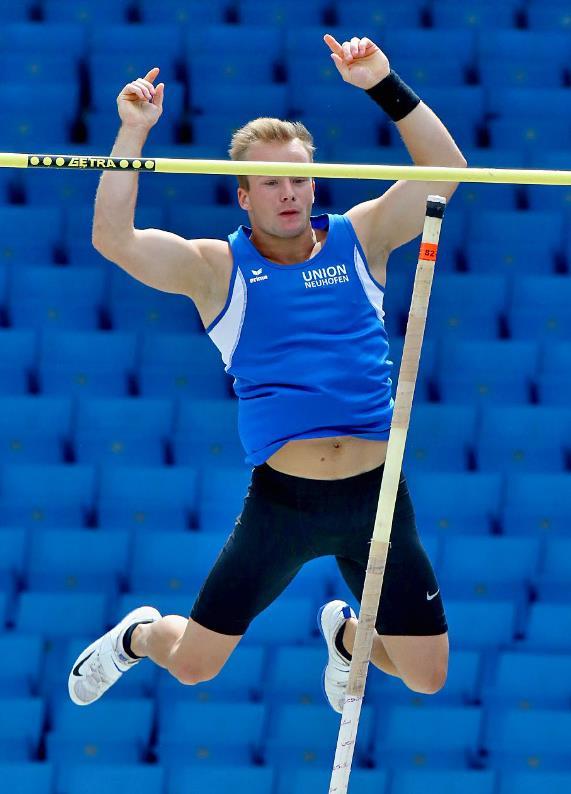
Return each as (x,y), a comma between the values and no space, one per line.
(155,257)
(396,217)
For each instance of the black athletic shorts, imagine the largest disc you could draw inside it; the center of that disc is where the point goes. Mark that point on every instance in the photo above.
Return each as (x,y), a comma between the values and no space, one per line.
(287,521)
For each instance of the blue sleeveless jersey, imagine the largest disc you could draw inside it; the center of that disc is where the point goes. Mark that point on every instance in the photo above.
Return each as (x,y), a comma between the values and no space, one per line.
(305,343)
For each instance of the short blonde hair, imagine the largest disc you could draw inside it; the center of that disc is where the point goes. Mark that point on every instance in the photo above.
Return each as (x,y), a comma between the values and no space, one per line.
(267,130)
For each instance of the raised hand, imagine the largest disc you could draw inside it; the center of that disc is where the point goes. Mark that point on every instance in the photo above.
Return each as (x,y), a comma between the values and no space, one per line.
(140,104)
(359,61)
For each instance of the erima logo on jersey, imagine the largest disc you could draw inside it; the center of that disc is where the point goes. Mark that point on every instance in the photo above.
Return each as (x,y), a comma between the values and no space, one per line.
(258,276)
(325,276)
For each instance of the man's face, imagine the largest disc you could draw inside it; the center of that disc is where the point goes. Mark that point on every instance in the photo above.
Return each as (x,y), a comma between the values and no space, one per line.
(278,205)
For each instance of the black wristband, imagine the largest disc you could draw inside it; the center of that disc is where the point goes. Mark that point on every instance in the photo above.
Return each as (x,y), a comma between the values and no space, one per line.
(394,96)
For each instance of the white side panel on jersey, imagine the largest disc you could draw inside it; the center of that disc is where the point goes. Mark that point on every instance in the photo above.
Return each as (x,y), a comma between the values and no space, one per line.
(372,291)
(226,332)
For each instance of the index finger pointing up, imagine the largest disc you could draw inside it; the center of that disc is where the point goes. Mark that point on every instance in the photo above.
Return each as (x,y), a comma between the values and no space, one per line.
(333,44)
(152,74)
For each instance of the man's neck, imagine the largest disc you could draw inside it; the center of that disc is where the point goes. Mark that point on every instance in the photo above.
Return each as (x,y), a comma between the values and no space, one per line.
(285,251)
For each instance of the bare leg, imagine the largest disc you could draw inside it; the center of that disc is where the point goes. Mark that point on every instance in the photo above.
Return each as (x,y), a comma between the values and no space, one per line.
(379,656)
(189,651)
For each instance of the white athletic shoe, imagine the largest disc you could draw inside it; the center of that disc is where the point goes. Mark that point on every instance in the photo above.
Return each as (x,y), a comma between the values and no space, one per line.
(103,662)
(330,618)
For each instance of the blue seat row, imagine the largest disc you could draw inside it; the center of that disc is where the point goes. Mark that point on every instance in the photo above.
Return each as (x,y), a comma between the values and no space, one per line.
(123,430)
(469,566)
(155,497)
(289,735)
(40,778)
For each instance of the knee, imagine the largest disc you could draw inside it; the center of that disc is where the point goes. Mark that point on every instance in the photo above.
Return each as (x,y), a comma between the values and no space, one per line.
(190,676)
(430,684)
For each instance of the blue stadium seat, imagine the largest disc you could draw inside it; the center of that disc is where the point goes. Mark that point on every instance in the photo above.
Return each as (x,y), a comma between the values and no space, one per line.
(27,37)
(477,196)
(476,14)
(46,222)
(206,433)
(531,46)
(422,73)
(13,549)
(163,561)
(515,103)
(318,578)
(458,46)
(17,357)
(20,728)
(26,131)
(373,16)
(268,100)
(487,567)
(42,297)
(93,561)
(529,681)
(231,68)
(536,504)
(456,312)
(453,502)
(280,13)
(161,43)
(527,241)
(34,429)
(97,363)
(116,776)
(530,134)
(103,126)
(116,731)
(305,735)
(530,782)
(210,733)
(440,437)
(147,498)
(122,430)
(516,739)
(152,309)
(548,629)
(538,307)
(20,12)
(28,778)
(176,365)
(61,615)
(231,38)
(182,12)
(22,663)
(520,72)
(547,17)
(288,620)
(47,495)
(329,130)
(85,12)
(35,68)
(104,92)
(478,625)
(554,377)
(332,98)
(217,516)
(65,187)
(64,96)
(501,370)
(443,737)
(305,687)
(239,681)
(245,779)
(177,188)
(523,438)
(307,780)
(553,582)
(411,781)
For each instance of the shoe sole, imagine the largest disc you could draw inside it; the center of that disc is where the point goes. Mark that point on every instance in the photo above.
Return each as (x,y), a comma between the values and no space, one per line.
(131,617)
